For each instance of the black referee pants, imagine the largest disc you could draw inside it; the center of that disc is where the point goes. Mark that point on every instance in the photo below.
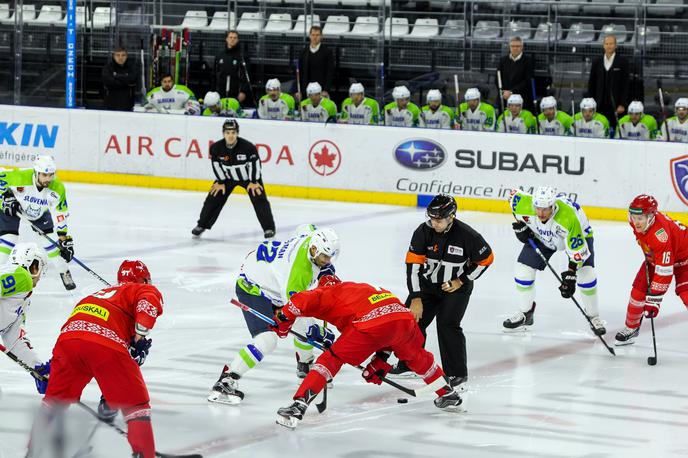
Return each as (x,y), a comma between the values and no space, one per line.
(213,206)
(449,310)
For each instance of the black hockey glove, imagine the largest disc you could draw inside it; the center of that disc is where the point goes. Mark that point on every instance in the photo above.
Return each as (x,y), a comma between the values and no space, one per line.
(568,283)
(66,246)
(522,231)
(10,205)
(138,349)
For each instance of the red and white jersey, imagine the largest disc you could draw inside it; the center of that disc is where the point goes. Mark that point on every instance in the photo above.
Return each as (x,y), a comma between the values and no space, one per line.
(108,316)
(348,304)
(665,245)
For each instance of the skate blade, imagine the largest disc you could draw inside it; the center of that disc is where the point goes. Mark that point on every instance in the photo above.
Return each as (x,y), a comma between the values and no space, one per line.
(623,344)
(455,409)
(224,399)
(287,422)
(518,330)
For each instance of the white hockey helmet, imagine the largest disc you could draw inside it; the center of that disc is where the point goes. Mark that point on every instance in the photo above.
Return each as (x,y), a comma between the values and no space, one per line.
(44,164)
(472,93)
(26,254)
(548,102)
(515,99)
(401,92)
(273,84)
(544,197)
(588,103)
(305,229)
(211,99)
(325,241)
(356,88)
(192,108)
(635,106)
(313,88)
(434,95)
(682,102)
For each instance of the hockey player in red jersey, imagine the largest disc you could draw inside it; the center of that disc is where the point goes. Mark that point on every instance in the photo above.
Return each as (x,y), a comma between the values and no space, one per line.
(105,338)
(665,244)
(371,320)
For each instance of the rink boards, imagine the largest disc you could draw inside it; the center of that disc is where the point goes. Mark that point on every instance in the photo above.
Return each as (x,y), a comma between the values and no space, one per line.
(350,163)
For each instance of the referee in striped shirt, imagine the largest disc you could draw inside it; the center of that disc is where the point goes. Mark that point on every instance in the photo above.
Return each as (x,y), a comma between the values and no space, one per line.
(235,162)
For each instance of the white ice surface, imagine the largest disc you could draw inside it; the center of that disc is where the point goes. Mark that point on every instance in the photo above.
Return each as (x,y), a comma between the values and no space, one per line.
(554,391)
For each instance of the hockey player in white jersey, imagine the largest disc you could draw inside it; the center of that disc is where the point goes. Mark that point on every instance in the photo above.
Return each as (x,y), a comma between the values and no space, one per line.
(515,119)
(677,125)
(552,121)
(588,122)
(169,97)
(269,276)
(317,108)
(475,115)
(434,115)
(276,104)
(359,109)
(18,277)
(636,125)
(402,112)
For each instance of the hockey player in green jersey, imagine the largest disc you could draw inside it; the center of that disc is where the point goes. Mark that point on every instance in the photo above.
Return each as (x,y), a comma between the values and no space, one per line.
(553,121)
(18,277)
(588,122)
(554,223)
(33,193)
(515,119)
(269,276)
(227,107)
(359,109)
(276,104)
(317,108)
(434,115)
(168,97)
(636,125)
(475,115)
(402,112)
(677,125)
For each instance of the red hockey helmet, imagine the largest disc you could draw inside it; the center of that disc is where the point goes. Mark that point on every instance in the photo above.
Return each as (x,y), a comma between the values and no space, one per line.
(643,204)
(328,280)
(133,272)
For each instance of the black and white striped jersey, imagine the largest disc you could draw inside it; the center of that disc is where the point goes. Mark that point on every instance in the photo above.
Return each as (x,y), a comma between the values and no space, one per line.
(432,259)
(241,163)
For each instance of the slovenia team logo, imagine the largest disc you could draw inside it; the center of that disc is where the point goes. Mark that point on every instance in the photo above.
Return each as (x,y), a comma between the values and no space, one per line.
(420,154)
(679,177)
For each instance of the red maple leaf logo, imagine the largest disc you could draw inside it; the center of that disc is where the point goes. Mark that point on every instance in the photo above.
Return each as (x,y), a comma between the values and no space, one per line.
(324,158)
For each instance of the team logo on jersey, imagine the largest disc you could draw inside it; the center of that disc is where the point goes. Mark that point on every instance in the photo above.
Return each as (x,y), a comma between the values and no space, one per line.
(93,310)
(324,157)
(662,236)
(679,177)
(375,298)
(457,250)
(420,154)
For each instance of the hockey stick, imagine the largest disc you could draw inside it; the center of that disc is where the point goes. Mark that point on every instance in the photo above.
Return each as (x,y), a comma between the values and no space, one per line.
(573,111)
(663,108)
(535,106)
(43,378)
(531,242)
(616,115)
(248,80)
(651,360)
(501,97)
(270,321)
(323,404)
(456,97)
(74,258)
(143,76)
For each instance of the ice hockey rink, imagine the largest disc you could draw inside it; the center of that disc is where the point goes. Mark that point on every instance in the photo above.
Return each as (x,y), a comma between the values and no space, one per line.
(550,392)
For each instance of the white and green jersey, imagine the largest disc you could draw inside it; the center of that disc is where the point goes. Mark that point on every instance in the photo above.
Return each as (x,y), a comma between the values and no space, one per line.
(276,270)
(442,118)
(678,131)
(559,125)
(174,99)
(646,129)
(324,111)
(365,113)
(280,109)
(34,203)
(229,107)
(479,120)
(15,288)
(597,127)
(567,229)
(524,123)
(407,117)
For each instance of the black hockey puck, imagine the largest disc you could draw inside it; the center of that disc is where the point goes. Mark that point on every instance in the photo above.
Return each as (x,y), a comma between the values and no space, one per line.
(651,360)
(402,400)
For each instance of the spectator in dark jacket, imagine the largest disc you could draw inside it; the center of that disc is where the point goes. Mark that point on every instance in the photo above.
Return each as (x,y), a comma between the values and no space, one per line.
(316,63)
(517,70)
(230,69)
(119,79)
(609,82)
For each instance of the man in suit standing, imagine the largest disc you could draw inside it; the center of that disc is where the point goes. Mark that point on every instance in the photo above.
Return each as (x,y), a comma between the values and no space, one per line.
(609,82)
(517,70)
(316,64)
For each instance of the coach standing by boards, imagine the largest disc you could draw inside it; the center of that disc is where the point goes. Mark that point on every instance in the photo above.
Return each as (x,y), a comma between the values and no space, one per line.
(235,163)
(444,259)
